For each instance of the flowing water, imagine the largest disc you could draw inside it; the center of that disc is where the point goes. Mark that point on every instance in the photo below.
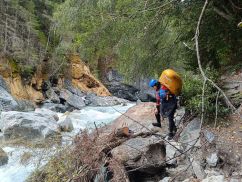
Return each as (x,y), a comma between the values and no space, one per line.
(16,171)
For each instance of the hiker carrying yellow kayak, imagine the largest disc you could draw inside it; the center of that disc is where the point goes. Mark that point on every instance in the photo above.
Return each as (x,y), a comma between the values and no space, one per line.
(166,90)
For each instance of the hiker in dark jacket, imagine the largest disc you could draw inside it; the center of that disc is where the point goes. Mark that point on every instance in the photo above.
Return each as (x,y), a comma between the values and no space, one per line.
(166,104)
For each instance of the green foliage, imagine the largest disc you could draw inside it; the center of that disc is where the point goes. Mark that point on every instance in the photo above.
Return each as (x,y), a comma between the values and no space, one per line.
(192,95)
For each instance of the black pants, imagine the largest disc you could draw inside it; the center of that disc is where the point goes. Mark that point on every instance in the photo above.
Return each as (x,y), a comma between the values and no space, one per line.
(172,126)
(157,115)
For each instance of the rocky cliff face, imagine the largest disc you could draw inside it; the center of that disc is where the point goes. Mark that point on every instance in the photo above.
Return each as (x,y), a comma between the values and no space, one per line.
(32,89)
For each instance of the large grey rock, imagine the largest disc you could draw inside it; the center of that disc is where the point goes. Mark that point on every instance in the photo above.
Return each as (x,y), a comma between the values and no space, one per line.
(180,112)
(52,96)
(172,151)
(47,113)
(7,102)
(190,135)
(66,125)
(212,159)
(57,107)
(198,169)
(93,100)
(144,154)
(3,157)
(27,125)
(214,179)
(122,90)
(25,105)
(72,99)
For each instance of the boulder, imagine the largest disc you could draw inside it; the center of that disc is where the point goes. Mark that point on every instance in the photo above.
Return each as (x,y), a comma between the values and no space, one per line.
(73,100)
(138,118)
(25,105)
(57,107)
(16,125)
(52,96)
(7,102)
(212,159)
(172,150)
(66,125)
(122,90)
(73,90)
(219,178)
(146,155)
(3,157)
(47,113)
(190,135)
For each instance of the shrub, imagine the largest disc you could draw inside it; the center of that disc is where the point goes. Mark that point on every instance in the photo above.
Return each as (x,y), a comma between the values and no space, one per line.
(192,95)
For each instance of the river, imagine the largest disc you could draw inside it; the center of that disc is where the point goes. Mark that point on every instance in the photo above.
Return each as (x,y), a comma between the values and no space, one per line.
(17,171)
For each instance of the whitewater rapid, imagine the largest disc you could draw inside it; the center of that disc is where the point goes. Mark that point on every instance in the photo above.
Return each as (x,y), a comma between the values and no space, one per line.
(15,171)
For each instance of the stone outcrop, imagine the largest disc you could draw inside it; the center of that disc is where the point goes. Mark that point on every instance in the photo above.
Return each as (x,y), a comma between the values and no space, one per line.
(83,79)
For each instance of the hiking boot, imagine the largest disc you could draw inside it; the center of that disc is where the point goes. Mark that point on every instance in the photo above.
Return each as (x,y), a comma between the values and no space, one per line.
(174,130)
(156,124)
(170,136)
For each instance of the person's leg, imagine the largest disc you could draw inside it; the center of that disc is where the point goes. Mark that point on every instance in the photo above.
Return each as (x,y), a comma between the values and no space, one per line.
(172,126)
(158,117)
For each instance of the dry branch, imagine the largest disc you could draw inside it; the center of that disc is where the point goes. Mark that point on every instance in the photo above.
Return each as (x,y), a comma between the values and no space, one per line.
(199,60)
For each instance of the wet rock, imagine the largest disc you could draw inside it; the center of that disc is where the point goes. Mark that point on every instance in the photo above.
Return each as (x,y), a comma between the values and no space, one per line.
(214,179)
(147,155)
(212,159)
(190,135)
(22,125)
(3,157)
(71,99)
(52,96)
(66,125)
(47,113)
(57,107)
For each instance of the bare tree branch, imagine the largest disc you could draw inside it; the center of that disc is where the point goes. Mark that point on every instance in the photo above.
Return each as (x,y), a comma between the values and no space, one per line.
(199,59)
